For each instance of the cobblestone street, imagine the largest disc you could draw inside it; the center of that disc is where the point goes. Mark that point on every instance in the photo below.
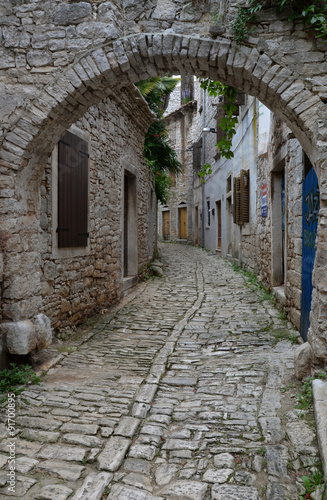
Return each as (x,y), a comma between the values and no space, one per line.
(186,392)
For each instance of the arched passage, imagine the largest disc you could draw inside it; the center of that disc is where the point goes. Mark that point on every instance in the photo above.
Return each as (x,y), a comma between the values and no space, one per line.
(116,64)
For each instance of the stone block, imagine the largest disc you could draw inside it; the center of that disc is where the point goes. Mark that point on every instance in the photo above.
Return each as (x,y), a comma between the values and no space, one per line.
(302,361)
(20,336)
(38,58)
(43,331)
(65,15)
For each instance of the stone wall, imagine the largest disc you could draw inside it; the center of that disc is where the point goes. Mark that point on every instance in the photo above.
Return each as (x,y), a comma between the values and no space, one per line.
(181,125)
(76,283)
(74,288)
(58,58)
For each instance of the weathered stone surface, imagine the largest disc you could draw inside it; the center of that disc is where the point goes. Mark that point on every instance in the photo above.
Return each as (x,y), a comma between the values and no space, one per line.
(277,457)
(124,492)
(302,360)
(54,492)
(64,470)
(93,487)
(38,58)
(80,428)
(43,331)
(165,473)
(217,476)
(113,454)
(229,492)
(127,426)
(190,490)
(20,336)
(25,464)
(224,460)
(62,452)
(46,424)
(300,434)
(82,439)
(72,14)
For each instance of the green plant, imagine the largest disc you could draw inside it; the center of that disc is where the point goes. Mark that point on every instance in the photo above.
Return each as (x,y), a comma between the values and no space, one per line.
(158,150)
(306,396)
(313,13)
(289,386)
(12,379)
(217,17)
(229,121)
(262,451)
(205,170)
(311,483)
(245,15)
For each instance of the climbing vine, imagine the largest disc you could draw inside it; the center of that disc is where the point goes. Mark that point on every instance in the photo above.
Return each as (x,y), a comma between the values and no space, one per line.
(314,14)
(229,121)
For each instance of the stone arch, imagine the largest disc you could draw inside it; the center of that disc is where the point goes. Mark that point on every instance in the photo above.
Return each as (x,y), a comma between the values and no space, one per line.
(135,57)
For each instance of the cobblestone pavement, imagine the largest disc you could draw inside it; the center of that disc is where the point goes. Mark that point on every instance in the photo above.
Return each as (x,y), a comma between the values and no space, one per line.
(184,393)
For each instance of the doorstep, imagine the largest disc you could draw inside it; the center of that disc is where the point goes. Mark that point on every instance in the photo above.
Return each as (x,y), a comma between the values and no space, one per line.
(129,282)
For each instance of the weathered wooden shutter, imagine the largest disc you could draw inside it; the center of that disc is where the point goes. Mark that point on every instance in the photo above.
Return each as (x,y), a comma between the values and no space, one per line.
(197,155)
(245,196)
(241,198)
(72,191)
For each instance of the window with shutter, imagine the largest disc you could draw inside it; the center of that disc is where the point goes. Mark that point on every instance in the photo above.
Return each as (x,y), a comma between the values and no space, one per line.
(73,159)
(197,155)
(241,198)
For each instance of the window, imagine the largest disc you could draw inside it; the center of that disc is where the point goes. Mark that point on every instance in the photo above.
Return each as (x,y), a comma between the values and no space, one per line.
(73,159)
(208,212)
(197,155)
(241,198)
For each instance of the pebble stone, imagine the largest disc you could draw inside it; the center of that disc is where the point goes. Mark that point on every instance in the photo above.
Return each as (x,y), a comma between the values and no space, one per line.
(175,395)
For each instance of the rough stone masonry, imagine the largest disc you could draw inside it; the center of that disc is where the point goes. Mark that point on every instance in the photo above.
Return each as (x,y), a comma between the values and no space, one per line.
(187,391)
(58,59)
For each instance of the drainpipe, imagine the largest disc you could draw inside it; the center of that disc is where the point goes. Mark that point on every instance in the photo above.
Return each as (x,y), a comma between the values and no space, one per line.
(203,160)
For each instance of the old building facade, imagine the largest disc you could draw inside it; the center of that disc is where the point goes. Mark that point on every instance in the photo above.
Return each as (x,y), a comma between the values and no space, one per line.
(97,226)
(58,59)
(266,226)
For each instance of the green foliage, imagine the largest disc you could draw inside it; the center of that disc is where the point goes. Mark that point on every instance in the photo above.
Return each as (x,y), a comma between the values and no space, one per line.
(245,15)
(306,396)
(311,483)
(16,376)
(205,170)
(229,121)
(313,13)
(262,451)
(158,151)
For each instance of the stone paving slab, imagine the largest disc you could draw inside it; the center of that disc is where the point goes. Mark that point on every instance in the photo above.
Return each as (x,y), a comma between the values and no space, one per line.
(182,393)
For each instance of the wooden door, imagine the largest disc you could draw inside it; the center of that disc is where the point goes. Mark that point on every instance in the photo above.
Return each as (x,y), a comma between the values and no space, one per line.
(166,224)
(183,223)
(125,248)
(218,205)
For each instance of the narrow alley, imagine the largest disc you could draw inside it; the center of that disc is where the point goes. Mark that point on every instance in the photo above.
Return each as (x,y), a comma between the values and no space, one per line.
(186,392)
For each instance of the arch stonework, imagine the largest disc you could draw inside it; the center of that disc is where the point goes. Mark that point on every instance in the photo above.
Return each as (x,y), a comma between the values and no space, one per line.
(268,67)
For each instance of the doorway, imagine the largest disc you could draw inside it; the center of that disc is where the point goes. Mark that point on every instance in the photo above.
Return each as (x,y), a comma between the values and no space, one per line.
(182,215)
(196,226)
(129,226)
(166,224)
(218,210)
(311,204)
(278,239)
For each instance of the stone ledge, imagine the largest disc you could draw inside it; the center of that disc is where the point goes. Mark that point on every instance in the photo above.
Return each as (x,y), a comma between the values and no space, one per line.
(320,408)
(129,282)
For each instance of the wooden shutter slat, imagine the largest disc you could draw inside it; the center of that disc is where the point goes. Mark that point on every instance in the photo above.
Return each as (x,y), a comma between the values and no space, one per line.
(72,191)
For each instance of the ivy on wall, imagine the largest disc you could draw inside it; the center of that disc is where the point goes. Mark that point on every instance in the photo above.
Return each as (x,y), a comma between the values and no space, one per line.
(313,13)
(229,121)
